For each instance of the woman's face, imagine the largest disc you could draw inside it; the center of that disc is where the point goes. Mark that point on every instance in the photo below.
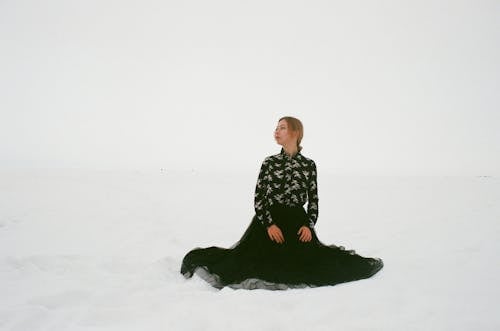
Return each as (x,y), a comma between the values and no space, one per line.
(283,135)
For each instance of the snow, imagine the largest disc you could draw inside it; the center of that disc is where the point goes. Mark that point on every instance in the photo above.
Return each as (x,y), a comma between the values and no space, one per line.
(101,250)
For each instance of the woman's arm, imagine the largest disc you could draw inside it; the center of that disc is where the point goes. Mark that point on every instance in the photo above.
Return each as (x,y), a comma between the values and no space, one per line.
(312,196)
(260,202)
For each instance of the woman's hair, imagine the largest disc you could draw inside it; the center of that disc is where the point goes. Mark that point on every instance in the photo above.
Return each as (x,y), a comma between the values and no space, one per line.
(296,125)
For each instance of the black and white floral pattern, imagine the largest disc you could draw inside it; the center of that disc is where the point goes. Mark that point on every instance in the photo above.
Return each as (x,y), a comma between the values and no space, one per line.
(286,180)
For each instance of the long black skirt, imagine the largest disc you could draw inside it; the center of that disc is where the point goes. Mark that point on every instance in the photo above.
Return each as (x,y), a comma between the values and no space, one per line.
(257,262)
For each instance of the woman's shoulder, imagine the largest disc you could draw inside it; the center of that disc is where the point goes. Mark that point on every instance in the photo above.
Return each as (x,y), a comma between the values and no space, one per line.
(276,156)
(271,158)
(307,160)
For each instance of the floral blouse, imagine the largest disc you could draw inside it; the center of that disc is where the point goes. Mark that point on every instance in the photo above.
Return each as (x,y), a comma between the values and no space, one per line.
(286,180)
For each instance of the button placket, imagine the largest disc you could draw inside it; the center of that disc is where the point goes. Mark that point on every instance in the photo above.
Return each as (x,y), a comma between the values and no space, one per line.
(288,179)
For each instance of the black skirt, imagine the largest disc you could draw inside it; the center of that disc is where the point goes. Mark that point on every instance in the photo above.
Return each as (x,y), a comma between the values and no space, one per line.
(257,262)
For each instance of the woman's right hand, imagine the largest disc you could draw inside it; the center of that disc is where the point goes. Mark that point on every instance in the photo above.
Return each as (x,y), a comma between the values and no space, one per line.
(275,234)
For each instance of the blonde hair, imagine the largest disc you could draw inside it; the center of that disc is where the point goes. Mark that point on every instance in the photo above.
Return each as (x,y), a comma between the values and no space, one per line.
(296,125)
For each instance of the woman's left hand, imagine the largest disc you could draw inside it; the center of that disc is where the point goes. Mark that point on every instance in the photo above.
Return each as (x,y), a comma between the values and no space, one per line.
(304,234)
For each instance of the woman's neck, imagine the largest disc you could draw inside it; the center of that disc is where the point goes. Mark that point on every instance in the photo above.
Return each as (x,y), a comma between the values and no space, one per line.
(291,150)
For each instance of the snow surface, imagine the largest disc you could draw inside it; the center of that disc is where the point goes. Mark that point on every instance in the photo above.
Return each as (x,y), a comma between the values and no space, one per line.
(89,250)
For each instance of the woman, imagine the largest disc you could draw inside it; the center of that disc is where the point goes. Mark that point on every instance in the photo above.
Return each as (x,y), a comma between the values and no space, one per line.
(280,249)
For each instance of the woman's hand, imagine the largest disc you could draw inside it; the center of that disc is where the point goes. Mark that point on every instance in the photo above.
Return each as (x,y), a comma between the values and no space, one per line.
(305,234)
(275,234)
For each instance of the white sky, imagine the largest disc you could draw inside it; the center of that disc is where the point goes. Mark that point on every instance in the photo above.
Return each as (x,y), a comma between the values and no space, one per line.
(382,87)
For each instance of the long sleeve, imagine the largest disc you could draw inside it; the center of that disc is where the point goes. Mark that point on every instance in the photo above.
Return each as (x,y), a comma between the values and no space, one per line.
(260,200)
(312,195)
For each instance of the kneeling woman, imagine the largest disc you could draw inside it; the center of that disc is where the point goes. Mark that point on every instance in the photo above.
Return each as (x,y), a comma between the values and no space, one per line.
(280,248)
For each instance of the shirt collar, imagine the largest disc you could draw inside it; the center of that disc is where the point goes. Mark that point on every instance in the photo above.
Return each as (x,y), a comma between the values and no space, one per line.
(284,154)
